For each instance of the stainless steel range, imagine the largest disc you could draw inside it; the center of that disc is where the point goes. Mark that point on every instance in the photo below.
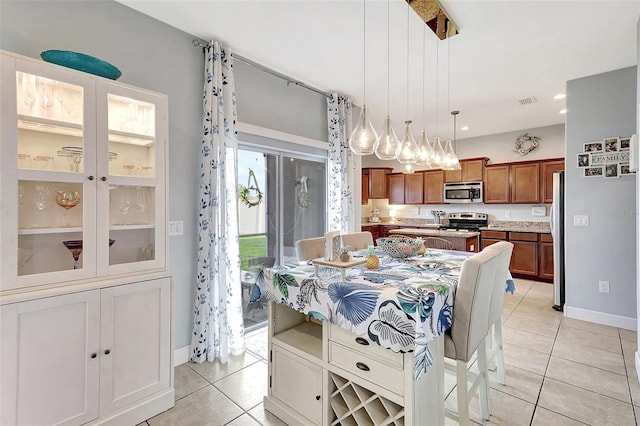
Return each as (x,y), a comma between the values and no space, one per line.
(466,221)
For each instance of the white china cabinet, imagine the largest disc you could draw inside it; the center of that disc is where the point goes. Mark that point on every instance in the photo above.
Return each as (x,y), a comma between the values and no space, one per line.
(85,298)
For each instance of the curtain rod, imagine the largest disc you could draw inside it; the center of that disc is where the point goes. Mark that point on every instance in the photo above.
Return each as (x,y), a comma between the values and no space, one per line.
(200,43)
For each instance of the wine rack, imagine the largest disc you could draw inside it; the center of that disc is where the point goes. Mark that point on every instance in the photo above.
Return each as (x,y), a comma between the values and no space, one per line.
(354,405)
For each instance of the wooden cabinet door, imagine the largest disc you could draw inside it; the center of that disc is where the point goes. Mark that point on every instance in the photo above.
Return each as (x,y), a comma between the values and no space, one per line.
(375,231)
(546,179)
(413,188)
(525,183)
(486,242)
(378,183)
(496,184)
(49,360)
(396,188)
(545,254)
(135,357)
(524,259)
(433,187)
(297,383)
(365,189)
(473,170)
(453,175)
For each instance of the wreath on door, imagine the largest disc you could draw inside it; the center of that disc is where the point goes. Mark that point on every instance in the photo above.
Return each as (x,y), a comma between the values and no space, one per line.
(250,194)
(525,144)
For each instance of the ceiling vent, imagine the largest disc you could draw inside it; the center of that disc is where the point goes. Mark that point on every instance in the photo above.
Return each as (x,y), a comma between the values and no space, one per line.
(528,101)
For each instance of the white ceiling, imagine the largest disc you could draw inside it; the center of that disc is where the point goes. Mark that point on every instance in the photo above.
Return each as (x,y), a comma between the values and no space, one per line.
(506,50)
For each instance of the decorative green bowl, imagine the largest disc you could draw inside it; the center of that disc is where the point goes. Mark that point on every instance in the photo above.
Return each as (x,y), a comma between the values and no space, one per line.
(81,62)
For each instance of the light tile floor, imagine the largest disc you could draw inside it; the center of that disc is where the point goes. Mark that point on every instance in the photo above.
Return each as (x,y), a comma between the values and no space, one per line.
(560,371)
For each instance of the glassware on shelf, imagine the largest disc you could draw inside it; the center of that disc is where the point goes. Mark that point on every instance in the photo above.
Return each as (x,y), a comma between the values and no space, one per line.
(24,256)
(20,195)
(24,161)
(142,202)
(124,204)
(146,253)
(42,198)
(28,90)
(75,247)
(45,92)
(146,171)
(42,162)
(129,169)
(68,200)
(74,156)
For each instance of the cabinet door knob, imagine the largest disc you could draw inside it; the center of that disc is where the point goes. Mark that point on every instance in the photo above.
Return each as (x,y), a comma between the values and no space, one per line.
(103,178)
(317,397)
(93,355)
(362,366)
(107,351)
(362,341)
(90,178)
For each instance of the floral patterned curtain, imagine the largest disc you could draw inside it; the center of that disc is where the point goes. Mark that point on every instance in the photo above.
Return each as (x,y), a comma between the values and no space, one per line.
(342,166)
(218,325)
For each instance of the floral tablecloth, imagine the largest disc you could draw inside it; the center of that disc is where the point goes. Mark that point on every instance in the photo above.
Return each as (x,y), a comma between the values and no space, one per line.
(402,305)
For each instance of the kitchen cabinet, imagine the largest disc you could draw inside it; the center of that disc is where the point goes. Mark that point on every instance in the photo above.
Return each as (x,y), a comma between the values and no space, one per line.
(532,255)
(405,188)
(471,170)
(433,183)
(85,296)
(496,184)
(365,189)
(525,183)
(85,355)
(396,188)
(374,229)
(384,229)
(378,182)
(546,179)
(545,255)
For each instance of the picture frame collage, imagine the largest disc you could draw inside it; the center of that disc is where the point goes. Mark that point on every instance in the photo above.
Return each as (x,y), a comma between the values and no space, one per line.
(607,158)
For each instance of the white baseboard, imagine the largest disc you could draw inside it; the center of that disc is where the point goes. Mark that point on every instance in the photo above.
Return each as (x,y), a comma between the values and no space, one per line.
(181,355)
(603,318)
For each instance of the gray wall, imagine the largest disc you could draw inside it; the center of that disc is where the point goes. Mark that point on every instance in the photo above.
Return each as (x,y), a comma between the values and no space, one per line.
(597,107)
(158,57)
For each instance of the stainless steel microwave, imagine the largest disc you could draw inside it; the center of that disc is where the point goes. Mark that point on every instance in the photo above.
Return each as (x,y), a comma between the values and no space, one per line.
(463,192)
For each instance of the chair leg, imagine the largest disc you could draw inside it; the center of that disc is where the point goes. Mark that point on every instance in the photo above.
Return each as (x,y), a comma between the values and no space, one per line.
(462,393)
(483,386)
(502,379)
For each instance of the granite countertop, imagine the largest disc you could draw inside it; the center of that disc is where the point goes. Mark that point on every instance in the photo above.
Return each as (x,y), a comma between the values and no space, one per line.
(519,226)
(417,225)
(434,233)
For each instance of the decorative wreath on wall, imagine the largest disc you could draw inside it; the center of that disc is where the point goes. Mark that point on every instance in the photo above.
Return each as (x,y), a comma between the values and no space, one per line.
(525,144)
(250,194)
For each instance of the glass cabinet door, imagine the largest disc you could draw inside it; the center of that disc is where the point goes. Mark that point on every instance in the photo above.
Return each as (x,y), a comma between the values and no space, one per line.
(132,134)
(48,201)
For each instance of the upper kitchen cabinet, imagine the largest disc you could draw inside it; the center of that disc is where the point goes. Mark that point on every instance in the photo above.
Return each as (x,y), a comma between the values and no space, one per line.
(405,188)
(396,188)
(433,183)
(496,184)
(377,183)
(525,183)
(471,170)
(546,178)
(83,175)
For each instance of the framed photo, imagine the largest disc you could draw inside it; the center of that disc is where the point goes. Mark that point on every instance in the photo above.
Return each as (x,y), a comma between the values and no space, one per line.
(624,144)
(583,160)
(611,170)
(593,172)
(593,146)
(611,145)
(625,170)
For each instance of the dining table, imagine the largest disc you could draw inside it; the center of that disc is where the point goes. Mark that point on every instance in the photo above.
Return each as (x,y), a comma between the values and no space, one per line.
(401,305)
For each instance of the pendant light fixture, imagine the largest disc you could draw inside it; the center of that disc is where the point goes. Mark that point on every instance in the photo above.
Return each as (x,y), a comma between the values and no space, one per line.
(450,159)
(438,153)
(363,138)
(407,150)
(425,153)
(387,143)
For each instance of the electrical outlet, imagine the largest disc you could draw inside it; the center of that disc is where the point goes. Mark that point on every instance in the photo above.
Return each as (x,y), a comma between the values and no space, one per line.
(415,211)
(603,286)
(507,214)
(580,220)
(538,211)
(175,227)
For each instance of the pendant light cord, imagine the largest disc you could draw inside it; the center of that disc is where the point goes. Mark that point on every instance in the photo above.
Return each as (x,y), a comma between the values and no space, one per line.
(449,74)
(364,52)
(388,61)
(437,81)
(408,8)
(424,85)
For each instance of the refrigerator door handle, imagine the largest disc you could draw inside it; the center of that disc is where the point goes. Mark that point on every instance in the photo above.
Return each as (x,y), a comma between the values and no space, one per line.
(551,221)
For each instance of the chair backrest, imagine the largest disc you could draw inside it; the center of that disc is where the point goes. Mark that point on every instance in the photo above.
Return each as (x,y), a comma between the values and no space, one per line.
(264,262)
(357,240)
(472,302)
(310,248)
(502,273)
(438,243)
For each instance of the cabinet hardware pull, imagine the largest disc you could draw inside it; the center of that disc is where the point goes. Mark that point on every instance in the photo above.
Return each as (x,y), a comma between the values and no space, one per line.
(317,397)
(93,355)
(90,178)
(103,178)
(362,366)
(107,351)
(362,341)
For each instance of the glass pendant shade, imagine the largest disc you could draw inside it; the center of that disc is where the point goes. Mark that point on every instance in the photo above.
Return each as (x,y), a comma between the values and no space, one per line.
(408,169)
(450,159)
(438,154)
(387,143)
(364,136)
(406,152)
(425,154)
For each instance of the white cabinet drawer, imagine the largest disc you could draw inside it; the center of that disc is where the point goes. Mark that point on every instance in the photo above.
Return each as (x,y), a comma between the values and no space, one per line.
(366,347)
(368,368)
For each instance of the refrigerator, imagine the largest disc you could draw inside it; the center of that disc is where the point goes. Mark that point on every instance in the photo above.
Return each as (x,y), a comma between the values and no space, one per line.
(557,232)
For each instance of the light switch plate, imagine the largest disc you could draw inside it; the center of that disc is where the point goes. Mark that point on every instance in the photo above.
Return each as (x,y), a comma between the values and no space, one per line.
(175,227)
(415,210)
(538,211)
(580,220)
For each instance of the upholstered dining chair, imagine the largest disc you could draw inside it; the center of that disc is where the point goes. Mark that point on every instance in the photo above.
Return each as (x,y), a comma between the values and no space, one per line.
(310,248)
(469,329)
(438,243)
(357,240)
(494,342)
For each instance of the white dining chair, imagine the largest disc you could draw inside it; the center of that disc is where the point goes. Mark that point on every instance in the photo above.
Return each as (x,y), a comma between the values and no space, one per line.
(494,342)
(469,329)
(357,240)
(310,248)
